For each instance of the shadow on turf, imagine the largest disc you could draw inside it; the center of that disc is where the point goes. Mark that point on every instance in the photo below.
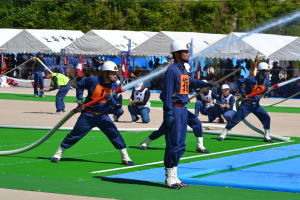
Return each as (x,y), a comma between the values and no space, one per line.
(51,113)
(235,138)
(150,148)
(129,181)
(69,160)
(81,160)
(124,122)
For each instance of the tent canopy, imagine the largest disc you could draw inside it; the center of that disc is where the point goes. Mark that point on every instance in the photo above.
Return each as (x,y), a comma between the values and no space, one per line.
(259,44)
(159,44)
(6,34)
(41,40)
(107,42)
(289,52)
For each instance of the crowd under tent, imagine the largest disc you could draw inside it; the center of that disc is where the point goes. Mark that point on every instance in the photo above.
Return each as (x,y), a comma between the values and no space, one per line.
(159,44)
(7,34)
(41,40)
(107,42)
(289,52)
(259,44)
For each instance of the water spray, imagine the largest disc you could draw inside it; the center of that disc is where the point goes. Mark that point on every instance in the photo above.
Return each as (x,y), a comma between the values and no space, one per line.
(257,30)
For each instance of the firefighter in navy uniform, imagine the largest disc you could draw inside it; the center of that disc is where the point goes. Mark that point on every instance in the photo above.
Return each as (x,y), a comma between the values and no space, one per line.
(253,85)
(96,115)
(176,89)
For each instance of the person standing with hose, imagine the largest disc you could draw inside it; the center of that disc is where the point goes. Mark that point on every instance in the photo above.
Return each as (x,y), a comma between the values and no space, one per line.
(97,114)
(176,89)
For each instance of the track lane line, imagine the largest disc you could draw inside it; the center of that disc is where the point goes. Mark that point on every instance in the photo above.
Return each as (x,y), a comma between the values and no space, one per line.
(185,158)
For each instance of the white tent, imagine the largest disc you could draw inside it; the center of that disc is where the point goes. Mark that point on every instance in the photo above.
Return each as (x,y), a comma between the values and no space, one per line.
(232,46)
(35,40)
(6,34)
(107,42)
(289,52)
(159,44)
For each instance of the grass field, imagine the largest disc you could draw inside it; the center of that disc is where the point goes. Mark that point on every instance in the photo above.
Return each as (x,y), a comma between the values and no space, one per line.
(33,170)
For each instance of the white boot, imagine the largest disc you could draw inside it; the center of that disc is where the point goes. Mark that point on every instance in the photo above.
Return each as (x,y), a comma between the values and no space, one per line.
(145,143)
(171,181)
(58,154)
(175,175)
(267,137)
(126,160)
(200,146)
(223,135)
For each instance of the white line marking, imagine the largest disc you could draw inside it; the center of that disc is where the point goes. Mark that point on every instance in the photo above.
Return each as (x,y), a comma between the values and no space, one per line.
(185,158)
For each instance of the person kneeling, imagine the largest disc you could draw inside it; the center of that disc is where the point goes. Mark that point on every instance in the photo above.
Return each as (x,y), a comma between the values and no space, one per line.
(139,103)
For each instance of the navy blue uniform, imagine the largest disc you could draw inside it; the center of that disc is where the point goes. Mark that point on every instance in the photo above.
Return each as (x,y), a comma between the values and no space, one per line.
(96,115)
(252,84)
(192,122)
(116,106)
(177,83)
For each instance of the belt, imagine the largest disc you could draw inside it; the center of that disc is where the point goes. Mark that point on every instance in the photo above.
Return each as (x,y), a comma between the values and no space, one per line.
(249,101)
(94,113)
(178,105)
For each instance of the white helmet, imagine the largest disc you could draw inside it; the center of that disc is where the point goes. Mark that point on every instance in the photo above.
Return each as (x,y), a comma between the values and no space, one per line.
(109,66)
(263,66)
(225,86)
(178,45)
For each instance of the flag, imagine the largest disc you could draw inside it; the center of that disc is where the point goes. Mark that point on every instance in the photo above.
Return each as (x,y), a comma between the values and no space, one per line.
(79,68)
(253,71)
(66,62)
(3,64)
(198,74)
(124,68)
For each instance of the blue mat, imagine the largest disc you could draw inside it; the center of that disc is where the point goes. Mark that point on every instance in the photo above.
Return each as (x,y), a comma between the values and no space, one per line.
(278,176)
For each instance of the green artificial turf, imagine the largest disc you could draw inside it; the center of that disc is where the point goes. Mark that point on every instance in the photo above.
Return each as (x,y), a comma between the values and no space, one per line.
(154,103)
(33,170)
